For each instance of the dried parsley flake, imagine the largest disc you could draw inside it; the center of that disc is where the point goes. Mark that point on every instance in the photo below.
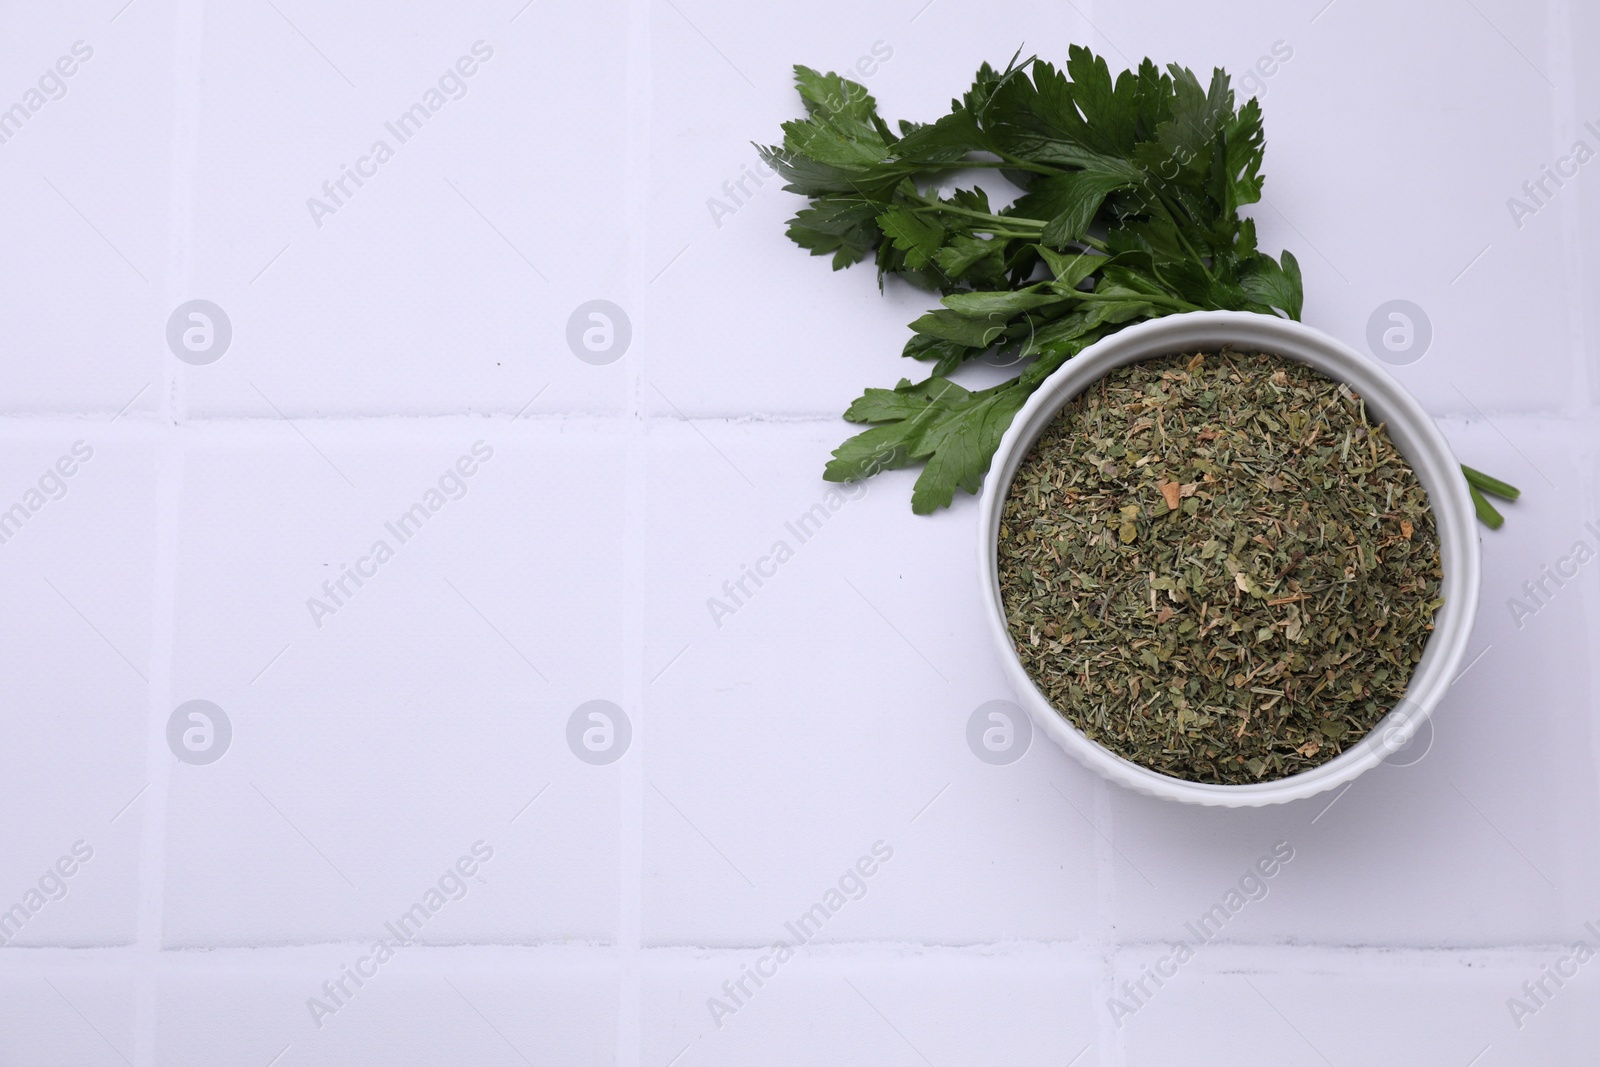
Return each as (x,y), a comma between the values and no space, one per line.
(1218,566)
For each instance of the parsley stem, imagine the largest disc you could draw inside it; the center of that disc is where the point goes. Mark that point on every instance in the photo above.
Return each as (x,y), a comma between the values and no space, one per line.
(1005,163)
(1163,200)
(1171,209)
(941,205)
(1148,298)
(1486,511)
(1483,482)
(1002,225)
(1014,163)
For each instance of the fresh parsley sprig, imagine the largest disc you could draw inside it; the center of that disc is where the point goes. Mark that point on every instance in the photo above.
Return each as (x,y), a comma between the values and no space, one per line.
(1128,209)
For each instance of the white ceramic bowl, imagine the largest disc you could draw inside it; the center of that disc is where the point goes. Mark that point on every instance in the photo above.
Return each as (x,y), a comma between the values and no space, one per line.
(1413,433)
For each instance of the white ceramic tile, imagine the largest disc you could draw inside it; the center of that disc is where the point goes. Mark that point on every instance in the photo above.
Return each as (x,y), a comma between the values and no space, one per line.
(1354,1008)
(442,1007)
(844,684)
(444,280)
(1575,204)
(65,1017)
(1382,202)
(76,649)
(775,330)
(421,716)
(86,191)
(896,1009)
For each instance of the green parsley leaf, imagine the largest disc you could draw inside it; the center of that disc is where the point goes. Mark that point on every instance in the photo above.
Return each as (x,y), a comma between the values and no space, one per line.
(1123,205)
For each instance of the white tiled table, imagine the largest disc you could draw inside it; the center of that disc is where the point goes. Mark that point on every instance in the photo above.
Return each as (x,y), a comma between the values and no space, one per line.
(773,747)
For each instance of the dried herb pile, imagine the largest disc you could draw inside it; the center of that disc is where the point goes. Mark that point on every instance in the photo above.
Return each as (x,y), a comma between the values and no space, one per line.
(1219,567)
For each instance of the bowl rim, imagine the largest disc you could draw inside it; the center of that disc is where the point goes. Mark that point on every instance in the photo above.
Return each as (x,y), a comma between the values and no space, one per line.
(1415,435)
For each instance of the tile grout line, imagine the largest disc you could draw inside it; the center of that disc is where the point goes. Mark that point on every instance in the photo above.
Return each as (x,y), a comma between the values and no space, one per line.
(1561,60)
(1107,1037)
(631,777)
(188,38)
(234,958)
(1565,120)
(1588,490)
(158,760)
(188,63)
